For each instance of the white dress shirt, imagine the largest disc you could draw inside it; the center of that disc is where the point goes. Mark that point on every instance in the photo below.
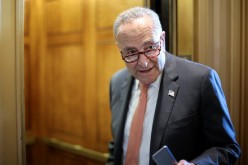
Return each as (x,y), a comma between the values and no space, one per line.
(148,120)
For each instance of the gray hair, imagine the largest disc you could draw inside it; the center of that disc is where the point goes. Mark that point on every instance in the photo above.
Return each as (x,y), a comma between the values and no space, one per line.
(128,16)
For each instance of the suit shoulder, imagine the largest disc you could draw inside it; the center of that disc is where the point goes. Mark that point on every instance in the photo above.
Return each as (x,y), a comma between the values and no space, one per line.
(191,66)
(120,76)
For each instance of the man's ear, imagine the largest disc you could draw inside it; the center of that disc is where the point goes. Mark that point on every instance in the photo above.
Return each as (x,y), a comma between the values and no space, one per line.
(163,35)
(118,45)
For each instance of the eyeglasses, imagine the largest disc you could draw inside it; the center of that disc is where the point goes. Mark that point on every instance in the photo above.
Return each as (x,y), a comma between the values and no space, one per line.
(150,52)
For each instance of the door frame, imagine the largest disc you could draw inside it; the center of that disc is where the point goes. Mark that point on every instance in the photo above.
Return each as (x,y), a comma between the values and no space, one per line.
(12,135)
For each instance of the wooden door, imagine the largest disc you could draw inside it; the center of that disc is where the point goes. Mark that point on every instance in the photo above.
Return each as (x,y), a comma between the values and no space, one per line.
(70,55)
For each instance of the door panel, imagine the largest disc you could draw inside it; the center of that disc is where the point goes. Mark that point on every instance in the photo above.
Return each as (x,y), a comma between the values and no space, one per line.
(108,58)
(64,16)
(70,56)
(65,83)
(106,11)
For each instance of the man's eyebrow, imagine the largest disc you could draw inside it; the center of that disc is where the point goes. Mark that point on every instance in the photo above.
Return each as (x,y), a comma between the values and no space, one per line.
(129,48)
(144,44)
(149,42)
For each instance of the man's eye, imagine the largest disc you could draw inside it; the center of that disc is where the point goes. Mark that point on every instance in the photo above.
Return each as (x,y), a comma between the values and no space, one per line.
(131,52)
(151,47)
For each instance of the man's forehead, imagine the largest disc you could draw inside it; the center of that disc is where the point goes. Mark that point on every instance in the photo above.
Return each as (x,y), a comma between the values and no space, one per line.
(141,36)
(137,25)
(129,31)
(135,34)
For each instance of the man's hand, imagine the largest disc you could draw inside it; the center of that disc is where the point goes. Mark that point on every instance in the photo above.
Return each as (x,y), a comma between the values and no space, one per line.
(184,162)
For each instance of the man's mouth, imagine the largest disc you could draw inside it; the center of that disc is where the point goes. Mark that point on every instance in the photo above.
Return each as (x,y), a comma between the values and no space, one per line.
(146,71)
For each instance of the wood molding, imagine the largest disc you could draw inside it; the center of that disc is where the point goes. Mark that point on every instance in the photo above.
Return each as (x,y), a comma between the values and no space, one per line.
(76,149)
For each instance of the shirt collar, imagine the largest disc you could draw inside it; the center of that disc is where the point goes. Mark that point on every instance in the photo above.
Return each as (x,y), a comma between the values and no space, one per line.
(155,84)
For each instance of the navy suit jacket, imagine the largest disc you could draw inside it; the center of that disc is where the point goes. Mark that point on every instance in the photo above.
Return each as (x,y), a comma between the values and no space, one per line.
(194,123)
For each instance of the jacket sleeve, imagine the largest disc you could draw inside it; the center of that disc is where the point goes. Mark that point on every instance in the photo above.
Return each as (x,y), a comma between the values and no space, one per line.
(111,144)
(217,129)
(110,160)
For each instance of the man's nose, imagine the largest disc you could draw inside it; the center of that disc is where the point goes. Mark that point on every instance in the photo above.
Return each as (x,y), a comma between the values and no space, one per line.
(143,60)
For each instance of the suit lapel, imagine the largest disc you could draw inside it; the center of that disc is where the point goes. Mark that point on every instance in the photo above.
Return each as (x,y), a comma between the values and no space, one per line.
(167,95)
(126,89)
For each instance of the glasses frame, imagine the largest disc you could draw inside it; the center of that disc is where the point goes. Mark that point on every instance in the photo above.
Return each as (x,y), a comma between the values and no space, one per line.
(143,52)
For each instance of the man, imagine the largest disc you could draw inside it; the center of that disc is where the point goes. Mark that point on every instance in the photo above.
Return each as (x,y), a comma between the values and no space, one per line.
(185,106)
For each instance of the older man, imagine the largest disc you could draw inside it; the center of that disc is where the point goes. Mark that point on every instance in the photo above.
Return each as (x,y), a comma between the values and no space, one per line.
(160,99)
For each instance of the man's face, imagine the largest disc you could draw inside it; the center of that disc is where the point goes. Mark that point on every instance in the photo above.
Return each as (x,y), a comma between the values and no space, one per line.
(140,36)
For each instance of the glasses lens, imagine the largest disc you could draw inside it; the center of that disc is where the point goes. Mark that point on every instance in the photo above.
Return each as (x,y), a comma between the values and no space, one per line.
(131,58)
(151,53)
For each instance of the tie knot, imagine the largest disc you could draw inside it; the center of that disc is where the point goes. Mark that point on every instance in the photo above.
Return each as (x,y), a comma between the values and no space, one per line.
(143,87)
